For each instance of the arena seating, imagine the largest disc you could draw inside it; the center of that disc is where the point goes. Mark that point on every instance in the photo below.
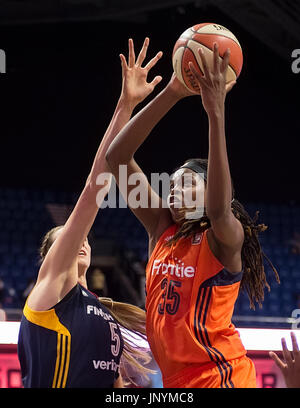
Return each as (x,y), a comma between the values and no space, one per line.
(24,219)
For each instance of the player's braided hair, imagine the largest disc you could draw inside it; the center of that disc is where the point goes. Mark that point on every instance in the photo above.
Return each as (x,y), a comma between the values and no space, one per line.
(130,317)
(254,278)
(47,241)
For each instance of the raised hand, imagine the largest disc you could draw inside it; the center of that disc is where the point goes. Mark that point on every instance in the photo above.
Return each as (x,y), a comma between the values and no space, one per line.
(213,82)
(290,368)
(178,88)
(135,87)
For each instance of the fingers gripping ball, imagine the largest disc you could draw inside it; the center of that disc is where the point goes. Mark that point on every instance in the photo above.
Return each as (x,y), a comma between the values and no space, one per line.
(205,35)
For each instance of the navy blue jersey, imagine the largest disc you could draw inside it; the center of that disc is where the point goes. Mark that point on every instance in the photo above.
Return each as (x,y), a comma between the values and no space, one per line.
(77,343)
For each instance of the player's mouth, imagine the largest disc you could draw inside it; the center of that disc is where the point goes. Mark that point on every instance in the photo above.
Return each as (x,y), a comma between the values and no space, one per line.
(82,253)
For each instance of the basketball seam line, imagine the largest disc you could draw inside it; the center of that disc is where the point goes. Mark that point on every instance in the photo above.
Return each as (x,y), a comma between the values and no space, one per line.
(229,65)
(186,46)
(229,38)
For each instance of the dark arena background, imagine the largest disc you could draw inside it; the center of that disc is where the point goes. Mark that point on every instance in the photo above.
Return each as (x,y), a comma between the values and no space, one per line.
(62,81)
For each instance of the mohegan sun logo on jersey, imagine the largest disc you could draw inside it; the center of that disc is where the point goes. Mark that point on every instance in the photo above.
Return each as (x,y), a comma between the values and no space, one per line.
(177,269)
(197,238)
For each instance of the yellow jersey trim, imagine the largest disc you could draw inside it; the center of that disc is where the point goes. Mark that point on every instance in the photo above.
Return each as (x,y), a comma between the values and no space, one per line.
(49,320)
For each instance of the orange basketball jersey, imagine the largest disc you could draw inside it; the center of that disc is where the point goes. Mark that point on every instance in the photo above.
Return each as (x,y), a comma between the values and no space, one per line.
(190,302)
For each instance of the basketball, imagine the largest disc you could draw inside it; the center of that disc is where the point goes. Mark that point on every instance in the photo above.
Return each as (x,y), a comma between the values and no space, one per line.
(204,35)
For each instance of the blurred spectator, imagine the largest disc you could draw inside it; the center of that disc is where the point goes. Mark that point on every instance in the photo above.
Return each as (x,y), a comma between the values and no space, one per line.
(97,283)
(8,296)
(11,299)
(134,269)
(27,290)
(121,287)
(295,243)
(2,294)
(298,300)
(2,315)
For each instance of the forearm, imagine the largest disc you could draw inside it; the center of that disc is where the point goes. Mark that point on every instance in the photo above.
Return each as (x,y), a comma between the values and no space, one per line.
(219,189)
(85,211)
(121,116)
(132,136)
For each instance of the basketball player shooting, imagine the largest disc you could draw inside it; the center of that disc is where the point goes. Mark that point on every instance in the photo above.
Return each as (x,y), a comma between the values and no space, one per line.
(196,266)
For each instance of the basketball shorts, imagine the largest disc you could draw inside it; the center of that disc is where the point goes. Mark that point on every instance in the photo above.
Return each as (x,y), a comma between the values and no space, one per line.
(237,373)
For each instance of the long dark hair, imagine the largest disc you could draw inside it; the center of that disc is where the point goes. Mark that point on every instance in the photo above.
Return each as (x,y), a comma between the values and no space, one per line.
(254,278)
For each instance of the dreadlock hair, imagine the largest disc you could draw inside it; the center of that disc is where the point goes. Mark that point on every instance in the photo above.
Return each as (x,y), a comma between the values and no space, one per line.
(254,278)
(131,318)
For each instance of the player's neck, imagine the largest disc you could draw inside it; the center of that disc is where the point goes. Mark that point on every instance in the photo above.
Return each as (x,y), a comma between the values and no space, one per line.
(82,281)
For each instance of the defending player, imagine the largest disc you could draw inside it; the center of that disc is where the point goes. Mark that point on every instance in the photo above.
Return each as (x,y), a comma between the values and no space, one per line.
(67,337)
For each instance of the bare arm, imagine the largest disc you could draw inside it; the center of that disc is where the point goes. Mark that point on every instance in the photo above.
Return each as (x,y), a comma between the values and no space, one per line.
(135,89)
(154,217)
(59,271)
(227,230)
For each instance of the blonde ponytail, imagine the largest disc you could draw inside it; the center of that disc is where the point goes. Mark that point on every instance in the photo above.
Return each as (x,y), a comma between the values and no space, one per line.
(129,317)
(133,319)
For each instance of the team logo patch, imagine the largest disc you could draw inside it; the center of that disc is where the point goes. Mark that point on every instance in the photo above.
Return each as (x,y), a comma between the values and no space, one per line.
(197,238)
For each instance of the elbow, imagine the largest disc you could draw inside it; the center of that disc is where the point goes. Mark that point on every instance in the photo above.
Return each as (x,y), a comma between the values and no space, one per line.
(113,158)
(109,156)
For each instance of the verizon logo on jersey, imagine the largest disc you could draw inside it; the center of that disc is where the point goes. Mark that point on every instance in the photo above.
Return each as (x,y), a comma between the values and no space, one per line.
(177,269)
(105,365)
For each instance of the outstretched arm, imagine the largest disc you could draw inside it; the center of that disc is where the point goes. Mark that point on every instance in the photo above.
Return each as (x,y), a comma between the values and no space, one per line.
(135,89)
(59,271)
(227,231)
(154,217)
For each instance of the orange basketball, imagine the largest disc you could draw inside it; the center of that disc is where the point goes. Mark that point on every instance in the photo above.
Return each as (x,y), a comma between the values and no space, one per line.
(204,35)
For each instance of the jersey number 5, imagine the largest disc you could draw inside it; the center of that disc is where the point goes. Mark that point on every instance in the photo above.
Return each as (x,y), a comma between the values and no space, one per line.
(115,348)
(169,294)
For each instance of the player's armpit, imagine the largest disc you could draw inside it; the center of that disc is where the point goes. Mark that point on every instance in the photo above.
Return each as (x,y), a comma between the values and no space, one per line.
(140,197)
(226,238)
